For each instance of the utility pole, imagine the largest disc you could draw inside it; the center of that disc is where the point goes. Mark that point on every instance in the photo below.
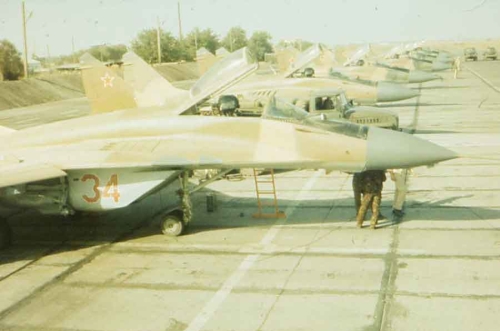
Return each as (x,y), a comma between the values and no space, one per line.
(73,48)
(180,24)
(25,42)
(158,39)
(231,39)
(48,55)
(195,43)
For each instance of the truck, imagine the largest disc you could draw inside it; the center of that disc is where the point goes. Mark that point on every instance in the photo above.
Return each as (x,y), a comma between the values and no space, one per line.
(334,104)
(470,53)
(490,53)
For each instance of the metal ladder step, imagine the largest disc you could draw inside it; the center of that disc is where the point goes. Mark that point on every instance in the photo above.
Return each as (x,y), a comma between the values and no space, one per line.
(268,191)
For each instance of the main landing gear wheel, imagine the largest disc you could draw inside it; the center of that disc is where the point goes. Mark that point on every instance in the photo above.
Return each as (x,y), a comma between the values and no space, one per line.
(5,234)
(172,225)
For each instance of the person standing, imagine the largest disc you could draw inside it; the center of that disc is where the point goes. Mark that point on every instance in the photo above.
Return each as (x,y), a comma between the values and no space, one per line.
(399,177)
(372,185)
(456,67)
(357,188)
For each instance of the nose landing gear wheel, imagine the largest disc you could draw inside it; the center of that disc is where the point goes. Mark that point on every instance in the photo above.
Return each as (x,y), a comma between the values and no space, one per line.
(172,225)
(5,234)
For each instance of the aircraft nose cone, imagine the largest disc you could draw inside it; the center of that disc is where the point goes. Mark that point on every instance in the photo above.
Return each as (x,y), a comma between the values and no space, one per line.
(417,76)
(389,149)
(391,92)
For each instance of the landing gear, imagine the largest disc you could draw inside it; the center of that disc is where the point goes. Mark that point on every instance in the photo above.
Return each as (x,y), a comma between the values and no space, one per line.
(172,225)
(176,221)
(5,234)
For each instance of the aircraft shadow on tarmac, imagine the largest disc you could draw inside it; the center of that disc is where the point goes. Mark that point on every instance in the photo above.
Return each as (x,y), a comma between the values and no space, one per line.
(57,234)
(440,87)
(415,104)
(420,131)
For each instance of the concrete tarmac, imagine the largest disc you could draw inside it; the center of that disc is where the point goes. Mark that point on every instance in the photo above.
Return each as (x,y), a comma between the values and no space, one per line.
(436,270)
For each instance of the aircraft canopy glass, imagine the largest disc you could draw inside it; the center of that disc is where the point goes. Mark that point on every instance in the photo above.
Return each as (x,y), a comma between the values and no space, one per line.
(304,59)
(339,75)
(226,72)
(341,127)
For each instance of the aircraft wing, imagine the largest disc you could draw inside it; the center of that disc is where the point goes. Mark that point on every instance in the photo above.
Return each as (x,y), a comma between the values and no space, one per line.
(19,173)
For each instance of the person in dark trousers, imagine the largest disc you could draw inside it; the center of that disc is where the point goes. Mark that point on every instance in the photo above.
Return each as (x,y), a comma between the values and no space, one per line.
(357,187)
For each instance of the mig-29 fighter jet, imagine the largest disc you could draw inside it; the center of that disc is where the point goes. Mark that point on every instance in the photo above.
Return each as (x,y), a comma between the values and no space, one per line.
(111,159)
(360,91)
(359,68)
(412,57)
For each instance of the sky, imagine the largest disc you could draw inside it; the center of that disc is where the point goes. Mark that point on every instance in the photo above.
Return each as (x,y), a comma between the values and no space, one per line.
(55,23)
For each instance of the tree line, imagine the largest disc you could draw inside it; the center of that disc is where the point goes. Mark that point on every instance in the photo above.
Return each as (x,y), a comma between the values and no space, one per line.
(145,45)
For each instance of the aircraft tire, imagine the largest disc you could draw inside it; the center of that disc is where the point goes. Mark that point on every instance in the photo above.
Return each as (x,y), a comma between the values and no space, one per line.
(5,234)
(172,225)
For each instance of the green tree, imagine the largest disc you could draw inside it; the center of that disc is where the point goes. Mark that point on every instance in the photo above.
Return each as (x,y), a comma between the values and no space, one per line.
(203,38)
(11,65)
(235,39)
(260,44)
(145,45)
(108,52)
(297,43)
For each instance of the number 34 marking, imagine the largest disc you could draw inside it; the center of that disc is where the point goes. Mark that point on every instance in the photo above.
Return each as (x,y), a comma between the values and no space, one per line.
(110,191)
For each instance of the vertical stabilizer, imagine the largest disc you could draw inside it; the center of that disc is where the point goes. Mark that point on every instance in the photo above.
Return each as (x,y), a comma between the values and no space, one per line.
(286,58)
(205,60)
(105,90)
(150,88)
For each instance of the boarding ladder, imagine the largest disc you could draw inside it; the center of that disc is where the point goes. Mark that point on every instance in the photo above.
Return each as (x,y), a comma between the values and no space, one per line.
(266,186)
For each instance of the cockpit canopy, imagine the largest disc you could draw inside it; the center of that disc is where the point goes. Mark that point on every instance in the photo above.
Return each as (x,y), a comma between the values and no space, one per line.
(339,75)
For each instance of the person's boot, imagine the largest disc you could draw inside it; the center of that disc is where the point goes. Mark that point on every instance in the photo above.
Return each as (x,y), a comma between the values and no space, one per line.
(359,223)
(373,224)
(398,215)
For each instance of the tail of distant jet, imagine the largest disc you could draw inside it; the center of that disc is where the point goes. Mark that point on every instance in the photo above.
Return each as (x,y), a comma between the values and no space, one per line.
(150,88)
(318,57)
(286,58)
(105,90)
(205,60)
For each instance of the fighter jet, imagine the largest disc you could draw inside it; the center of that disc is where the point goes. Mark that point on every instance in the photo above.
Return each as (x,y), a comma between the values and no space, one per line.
(412,57)
(359,68)
(432,56)
(358,90)
(111,159)
(416,64)
(365,69)
(362,92)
